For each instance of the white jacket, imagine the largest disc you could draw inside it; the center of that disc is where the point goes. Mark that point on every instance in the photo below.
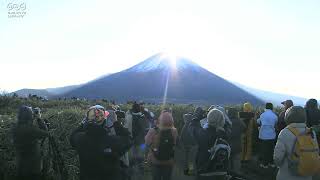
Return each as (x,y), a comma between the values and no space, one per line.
(283,149)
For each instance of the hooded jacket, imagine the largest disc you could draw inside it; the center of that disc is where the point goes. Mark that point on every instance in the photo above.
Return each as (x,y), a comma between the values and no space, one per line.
(165,122)
(205,138)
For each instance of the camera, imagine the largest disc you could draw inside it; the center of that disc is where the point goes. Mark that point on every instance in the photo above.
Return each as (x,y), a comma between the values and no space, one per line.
(120,114)
(36,111)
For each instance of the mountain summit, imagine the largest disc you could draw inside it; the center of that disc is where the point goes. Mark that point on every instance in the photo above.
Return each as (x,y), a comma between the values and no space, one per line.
(164,61)
(159,77)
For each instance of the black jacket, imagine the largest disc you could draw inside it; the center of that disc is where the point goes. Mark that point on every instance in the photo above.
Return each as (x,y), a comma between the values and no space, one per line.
(205,138)
(313,113)
(238,128)
(99,153)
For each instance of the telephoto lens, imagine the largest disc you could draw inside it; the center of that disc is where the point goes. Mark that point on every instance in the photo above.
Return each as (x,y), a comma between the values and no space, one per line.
(120,114)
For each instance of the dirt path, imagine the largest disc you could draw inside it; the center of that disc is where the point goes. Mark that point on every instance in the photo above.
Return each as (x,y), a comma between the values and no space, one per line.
(253,173)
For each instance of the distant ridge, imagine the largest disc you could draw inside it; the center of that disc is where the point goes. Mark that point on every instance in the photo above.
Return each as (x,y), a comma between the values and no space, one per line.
(275,98)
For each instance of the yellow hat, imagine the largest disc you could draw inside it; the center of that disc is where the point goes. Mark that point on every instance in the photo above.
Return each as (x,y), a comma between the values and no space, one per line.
(247,107)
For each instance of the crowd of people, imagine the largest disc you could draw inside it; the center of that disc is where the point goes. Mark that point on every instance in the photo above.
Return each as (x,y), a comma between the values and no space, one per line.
(110,142)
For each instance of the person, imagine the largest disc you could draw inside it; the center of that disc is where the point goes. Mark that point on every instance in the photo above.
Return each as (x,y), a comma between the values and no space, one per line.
(238,128)
(313,113)
(267,135)
(228,124)
(199,114)
(117,128)
(26,140)
(135,123)
(162,140)
(295,118)
(247,117)
(205,139)
(187,141)
(281,122)
(98,147)
(148,119)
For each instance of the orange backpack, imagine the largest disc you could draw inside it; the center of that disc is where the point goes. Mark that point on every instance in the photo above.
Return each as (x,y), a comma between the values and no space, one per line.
(304,159)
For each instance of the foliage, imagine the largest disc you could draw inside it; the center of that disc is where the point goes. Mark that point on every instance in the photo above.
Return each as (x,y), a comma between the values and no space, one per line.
(66,116)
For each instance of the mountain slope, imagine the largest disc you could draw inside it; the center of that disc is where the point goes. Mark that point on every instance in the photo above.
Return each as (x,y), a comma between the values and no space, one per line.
(186,82)
(275,98)
(62,90)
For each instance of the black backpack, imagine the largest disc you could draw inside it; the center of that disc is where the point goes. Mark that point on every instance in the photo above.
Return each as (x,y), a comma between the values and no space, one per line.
(165,149)
(218,161)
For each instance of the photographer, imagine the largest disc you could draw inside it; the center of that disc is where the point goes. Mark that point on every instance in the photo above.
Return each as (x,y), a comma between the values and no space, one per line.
(26,139)
(42,123)
(99,146)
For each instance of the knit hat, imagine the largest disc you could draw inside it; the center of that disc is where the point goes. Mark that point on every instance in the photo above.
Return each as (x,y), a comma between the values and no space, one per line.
(198,113)
(97,114)
(166,120)
(216,118)
(295,114)
(247,107)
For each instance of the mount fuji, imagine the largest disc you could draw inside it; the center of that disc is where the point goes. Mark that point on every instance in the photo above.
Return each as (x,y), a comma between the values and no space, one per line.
(159,77)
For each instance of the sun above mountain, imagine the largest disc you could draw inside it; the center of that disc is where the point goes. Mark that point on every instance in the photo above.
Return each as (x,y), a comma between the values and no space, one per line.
(170,57)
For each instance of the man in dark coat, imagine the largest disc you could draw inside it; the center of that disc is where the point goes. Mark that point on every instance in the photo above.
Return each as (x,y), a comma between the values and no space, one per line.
(238,128)
(313,112)
(99,148)
(281,122)
(188,144)
(26,139)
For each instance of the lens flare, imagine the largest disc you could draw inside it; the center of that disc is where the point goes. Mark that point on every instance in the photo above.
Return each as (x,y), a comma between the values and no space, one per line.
(166,89)
(171,58)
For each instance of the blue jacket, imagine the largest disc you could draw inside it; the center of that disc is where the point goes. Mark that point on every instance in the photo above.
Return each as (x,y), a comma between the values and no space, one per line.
(267,123)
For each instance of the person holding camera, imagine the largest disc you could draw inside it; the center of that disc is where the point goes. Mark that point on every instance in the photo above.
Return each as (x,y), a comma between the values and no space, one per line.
(99,146)
(26,139)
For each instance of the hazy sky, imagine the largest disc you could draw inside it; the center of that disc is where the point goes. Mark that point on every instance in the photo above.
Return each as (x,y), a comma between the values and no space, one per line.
(270,45)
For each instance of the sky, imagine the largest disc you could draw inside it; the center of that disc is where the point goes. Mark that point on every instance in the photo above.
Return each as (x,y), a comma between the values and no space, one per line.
(271,45)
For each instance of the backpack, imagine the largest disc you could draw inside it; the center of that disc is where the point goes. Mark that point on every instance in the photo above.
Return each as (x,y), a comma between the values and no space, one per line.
(304,159)
(163,148)
(218,161)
